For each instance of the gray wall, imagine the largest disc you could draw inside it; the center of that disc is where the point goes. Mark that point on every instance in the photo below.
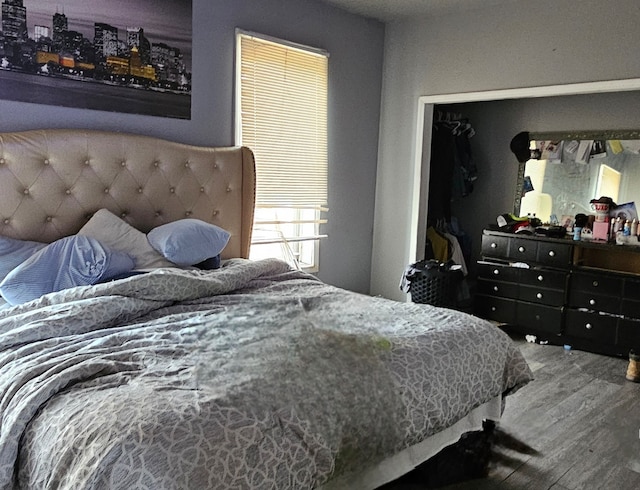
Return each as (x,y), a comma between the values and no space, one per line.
(491,48)
(355,45)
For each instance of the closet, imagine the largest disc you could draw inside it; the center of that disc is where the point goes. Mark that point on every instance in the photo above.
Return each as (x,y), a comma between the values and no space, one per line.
(452,176)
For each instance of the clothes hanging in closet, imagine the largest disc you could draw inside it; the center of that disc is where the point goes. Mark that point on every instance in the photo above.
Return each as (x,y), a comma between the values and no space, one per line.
(439,245)
(445,247)
(453,171)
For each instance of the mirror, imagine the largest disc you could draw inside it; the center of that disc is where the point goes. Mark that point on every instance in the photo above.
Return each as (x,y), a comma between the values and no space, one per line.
(569,169)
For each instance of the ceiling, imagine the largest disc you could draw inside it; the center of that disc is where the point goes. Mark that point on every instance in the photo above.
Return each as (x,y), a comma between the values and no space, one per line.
(389,10)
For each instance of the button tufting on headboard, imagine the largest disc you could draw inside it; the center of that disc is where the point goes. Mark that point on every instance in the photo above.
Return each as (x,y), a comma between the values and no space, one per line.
(88,170)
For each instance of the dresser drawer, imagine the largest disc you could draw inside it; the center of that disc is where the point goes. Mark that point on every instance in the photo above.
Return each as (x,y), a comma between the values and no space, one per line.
(630,308)
(499,272)
(539,318)
(591,301)
(523,250)
(495,246)
(498,288)
(632,290)
(554,254)
(591,326)
(597,283)
(534,294)
(544,278)
(629,334)
(498,309)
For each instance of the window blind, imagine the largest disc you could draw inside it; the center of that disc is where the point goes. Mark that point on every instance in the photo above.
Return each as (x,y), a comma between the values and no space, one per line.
(282,112)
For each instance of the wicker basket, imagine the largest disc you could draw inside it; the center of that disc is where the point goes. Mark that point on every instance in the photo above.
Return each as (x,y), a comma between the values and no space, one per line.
(434,283)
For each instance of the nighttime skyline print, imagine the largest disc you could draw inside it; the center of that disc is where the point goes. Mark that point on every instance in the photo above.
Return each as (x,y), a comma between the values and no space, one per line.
(110,55)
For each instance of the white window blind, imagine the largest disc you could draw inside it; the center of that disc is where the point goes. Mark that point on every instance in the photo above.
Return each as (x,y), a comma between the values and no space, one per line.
(281,111)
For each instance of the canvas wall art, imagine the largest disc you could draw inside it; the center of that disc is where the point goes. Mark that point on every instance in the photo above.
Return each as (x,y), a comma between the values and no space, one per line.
(110,55)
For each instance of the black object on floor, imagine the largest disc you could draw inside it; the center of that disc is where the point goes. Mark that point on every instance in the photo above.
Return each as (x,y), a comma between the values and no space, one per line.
(467,459)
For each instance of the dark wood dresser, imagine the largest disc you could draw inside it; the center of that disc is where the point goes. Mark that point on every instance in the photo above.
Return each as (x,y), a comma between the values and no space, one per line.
(581,293)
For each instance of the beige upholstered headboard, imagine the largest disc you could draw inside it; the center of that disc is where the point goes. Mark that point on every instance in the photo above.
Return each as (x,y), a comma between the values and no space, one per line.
(52,181)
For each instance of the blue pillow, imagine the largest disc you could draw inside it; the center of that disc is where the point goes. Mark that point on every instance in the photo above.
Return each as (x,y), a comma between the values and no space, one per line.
(71,261)
(210,264)
(14,252)
(188,241)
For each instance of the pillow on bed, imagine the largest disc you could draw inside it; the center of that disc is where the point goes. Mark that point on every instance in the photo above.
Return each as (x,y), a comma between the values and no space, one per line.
(210,264)
(119,235)
(188,241)
(71,261)
(13,252)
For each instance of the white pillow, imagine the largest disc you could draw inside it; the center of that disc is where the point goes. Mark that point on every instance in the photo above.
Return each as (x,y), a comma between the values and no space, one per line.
(119,235)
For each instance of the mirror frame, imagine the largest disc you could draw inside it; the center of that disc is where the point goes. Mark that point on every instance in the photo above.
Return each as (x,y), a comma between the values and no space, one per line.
(606,134)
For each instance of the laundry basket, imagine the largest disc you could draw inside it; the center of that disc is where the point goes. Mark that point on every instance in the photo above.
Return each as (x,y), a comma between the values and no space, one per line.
(433,282)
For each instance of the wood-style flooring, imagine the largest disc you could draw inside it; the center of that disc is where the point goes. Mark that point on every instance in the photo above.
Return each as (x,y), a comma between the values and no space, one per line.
(580,419)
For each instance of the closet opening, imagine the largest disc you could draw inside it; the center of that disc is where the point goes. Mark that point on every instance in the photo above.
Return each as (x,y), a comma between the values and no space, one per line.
(424,137)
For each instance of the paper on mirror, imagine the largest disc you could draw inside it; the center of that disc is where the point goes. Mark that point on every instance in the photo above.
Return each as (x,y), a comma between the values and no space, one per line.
(583,153)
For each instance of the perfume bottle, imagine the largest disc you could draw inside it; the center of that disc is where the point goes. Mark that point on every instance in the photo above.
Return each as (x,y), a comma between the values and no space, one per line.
(616,225)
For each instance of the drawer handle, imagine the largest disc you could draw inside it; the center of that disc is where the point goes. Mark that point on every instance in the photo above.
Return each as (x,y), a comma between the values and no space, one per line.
(521,249)
(494,245)
(552,253)
(493,308)
(540,278)
(539,295)
(592,302)
(496,288)
(588,326)
(595,284)
(496,272)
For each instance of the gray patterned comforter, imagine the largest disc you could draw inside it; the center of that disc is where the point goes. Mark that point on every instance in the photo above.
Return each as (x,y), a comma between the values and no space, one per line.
(250,377)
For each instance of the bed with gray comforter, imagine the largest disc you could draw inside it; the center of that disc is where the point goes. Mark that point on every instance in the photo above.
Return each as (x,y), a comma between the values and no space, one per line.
(253,376)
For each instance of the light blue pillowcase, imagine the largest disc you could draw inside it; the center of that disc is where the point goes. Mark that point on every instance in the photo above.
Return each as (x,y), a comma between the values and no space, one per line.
(188,241)
(14,252)
(71,261)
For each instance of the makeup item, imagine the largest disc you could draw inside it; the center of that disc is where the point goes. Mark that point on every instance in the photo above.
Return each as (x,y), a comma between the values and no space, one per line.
(616,225)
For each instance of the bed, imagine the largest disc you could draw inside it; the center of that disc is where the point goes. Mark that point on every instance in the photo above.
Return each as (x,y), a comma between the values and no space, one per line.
(243,375)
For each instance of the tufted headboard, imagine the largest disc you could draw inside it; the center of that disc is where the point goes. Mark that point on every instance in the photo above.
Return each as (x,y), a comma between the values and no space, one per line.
(52,181)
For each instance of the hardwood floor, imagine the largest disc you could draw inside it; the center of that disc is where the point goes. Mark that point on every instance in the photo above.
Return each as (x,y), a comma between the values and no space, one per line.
(580,418)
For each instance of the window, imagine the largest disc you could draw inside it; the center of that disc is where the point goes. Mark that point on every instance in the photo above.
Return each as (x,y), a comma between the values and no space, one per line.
(608,183)
(281,114)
